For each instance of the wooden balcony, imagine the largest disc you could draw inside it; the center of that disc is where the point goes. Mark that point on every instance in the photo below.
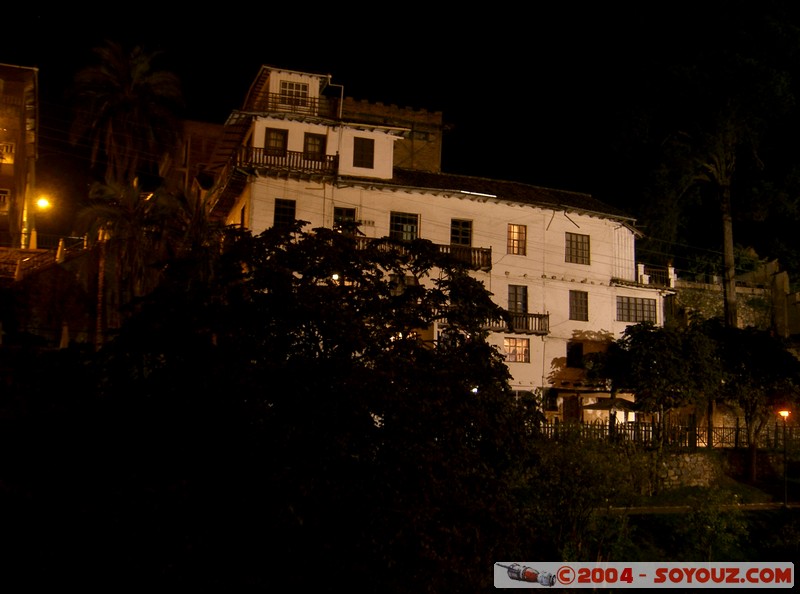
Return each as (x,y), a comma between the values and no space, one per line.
(474,258)
(286,161)
(323,107)
(528,323)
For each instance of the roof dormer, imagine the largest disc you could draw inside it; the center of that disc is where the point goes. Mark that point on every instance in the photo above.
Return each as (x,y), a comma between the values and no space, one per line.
(276,90)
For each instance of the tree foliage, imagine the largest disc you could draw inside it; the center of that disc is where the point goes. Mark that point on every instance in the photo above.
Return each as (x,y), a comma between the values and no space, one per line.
(303,403)
(126,109)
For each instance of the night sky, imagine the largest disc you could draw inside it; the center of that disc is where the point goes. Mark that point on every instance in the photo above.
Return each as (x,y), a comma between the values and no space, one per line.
(533,95)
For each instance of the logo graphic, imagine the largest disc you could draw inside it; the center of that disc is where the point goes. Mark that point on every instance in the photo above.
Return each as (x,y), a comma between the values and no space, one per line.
(523,573)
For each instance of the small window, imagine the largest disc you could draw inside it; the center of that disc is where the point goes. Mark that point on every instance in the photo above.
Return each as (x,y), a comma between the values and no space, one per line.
(314,147)
(518,299)
(404,225)
(577,248)
(517,350)
(363,152)
(275,142)
(5,200)
(461,232)
(294,93)
(399,283)
(636,309)
(284,212)
(7,150)
(579,306)
(575,354)
(344,220)
(517,239)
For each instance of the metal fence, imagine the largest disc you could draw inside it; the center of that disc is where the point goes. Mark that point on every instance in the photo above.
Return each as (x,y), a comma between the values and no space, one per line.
(647,433)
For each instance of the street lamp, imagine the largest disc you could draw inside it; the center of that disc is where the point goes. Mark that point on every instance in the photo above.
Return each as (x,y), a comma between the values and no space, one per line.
(29,239)
(785,414)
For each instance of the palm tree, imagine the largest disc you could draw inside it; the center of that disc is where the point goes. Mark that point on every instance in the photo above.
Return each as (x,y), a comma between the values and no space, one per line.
(126,109)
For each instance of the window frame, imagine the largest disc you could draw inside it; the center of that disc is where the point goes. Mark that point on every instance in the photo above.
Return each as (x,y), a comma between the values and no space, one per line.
(636,309)
(461,232)
(293,93)
(344,219)
(579,306)
(577,248)
(280,216)
(517,239)
(575,355)
(517,350)
(274,149)
(398,221)
(311,152)
(518,299)
(363,152)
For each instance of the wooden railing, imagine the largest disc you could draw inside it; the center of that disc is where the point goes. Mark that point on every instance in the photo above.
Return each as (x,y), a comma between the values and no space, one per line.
(260,157)
(324,107)
(475,258)
(529,323)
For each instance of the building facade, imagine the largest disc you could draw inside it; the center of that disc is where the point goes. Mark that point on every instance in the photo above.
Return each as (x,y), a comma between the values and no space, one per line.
(562,263)
(18,145)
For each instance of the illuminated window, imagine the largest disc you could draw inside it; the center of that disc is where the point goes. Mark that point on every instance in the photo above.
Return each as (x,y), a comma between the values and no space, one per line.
(636,309)
(577,248)
(284,212)
(517,350)
(404,225)
(363,152)
(579,305)
(7,150)
(517,238)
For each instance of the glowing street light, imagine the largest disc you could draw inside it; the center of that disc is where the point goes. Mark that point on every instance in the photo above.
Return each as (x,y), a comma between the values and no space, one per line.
(785,414)
(29,220)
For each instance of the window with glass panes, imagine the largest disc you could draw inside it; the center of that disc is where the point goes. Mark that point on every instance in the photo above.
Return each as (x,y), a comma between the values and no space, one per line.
(403,225)
(284,212)
(579,305)
(314,147)
(636,309)
(518,299)
(276,141)
(517,350)
(363,152)
(293,93)
(460,232)
(344,219)
(577,248)
(517,237)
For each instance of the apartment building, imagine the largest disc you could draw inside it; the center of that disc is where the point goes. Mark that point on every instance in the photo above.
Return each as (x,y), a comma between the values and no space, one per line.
(561,262)
(18,142)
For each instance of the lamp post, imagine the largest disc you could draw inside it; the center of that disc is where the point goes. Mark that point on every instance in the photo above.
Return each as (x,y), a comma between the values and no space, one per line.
(29,239)
(785,415)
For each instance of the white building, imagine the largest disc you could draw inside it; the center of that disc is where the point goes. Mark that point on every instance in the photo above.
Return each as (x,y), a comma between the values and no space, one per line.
(562,262)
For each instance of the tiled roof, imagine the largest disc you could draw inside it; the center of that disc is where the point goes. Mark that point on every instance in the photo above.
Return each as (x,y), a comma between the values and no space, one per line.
(485,188)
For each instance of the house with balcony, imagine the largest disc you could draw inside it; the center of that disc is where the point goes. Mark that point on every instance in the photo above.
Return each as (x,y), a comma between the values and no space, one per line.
(562,263)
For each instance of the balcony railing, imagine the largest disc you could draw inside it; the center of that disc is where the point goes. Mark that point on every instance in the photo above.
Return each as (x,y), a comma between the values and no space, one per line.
(286,161)
(475,258)
(528,323)
(324,107)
